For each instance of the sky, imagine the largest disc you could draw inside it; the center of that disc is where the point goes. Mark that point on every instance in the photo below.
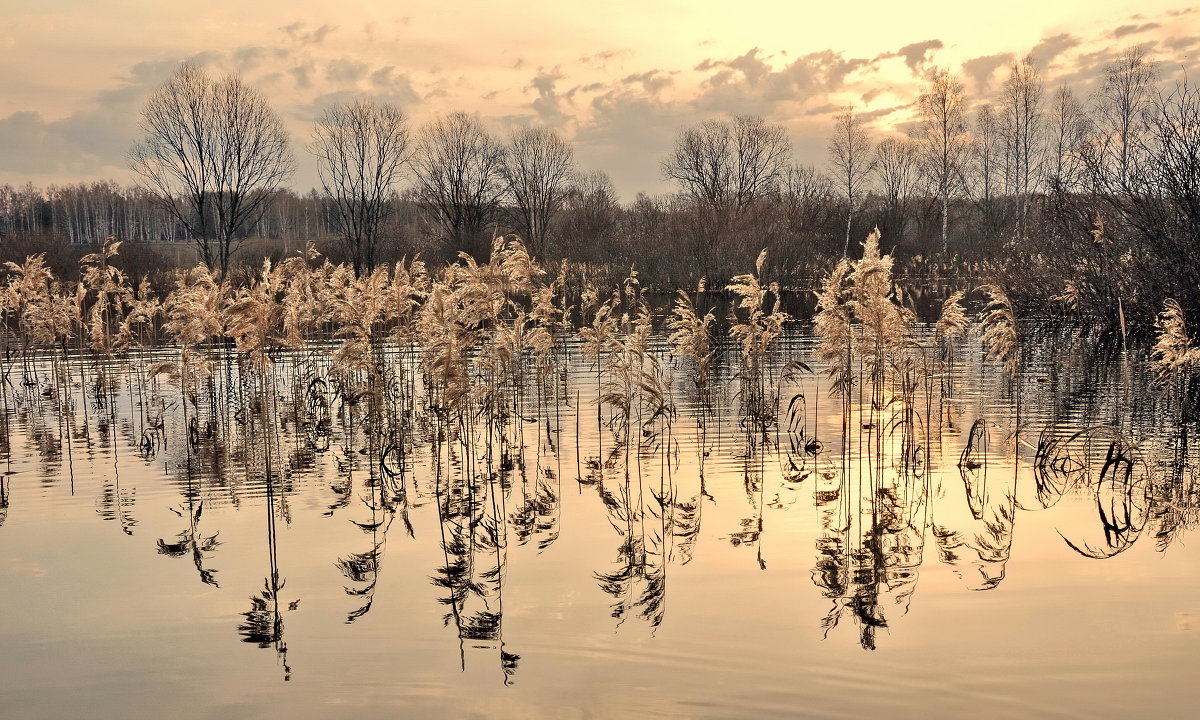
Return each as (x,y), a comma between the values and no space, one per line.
(619,78)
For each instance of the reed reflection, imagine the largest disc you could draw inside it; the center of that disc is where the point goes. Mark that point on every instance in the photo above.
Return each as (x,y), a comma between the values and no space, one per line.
(256,421)
(441,411)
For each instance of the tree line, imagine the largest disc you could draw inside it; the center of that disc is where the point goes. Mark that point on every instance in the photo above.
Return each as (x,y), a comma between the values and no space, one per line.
(1079,204)
(86,213)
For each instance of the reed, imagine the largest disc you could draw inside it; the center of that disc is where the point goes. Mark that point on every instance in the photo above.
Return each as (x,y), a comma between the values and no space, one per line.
(886,326)
(756,330)
(107,296)
(1173,354)
(834,330)
(952,326)
(691,337)
(997,327)
(459,359)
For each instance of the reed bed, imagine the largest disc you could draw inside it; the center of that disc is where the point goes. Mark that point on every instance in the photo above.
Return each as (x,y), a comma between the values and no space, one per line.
(467,366)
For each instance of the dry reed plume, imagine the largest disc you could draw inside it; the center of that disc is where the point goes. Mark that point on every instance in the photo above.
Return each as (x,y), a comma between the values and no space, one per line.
(1173,352)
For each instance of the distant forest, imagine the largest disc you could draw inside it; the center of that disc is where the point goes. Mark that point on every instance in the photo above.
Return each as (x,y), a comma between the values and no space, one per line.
(1084,206)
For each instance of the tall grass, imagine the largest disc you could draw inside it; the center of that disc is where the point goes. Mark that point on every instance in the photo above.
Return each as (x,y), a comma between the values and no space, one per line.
(470,361)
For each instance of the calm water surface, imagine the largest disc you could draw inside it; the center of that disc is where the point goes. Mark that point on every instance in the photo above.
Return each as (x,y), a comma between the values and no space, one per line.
(266,549)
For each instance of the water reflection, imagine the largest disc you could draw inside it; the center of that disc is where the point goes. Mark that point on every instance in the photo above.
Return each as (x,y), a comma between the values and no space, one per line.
(881,481)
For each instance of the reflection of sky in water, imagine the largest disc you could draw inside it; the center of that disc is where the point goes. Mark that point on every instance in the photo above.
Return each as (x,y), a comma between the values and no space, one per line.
(128,584)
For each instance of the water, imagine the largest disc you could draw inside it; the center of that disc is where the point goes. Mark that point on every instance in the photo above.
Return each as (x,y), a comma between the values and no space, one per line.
(285,546)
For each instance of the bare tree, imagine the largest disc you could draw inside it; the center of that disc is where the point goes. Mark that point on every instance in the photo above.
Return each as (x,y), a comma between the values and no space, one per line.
(729,165)
(762,152)
(851,160)
(362,150)
(1022,128)
(810,213)
(1116,156)
(1122,107)
(538,168)
(986,151)
(987,161)
(944,139)
(701,162)
(591,213)
(807,198)
(459,168)
(1172,141)
(1068,129)
(897,166)
(214,153)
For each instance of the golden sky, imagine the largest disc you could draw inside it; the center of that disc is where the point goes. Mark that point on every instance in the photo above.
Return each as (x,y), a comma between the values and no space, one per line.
(619,78)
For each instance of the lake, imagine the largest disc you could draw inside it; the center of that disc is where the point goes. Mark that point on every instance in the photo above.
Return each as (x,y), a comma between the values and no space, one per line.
(293,544)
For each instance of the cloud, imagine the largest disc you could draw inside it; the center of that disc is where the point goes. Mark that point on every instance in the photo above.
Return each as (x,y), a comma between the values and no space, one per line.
(748,84)
(870,116)
(91,142)
(346,71)
(299,32)
(824,109)
(250,57)
(84,145)
(916,55)
(31,146)
(302,74)
(600,60)
(384,85)
(652,81)
(396,84)
(981,69)
(628,133)
(1087,68)
(1182,43)
(749,65)
(1044,53)
(548,106)
(1125,30)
